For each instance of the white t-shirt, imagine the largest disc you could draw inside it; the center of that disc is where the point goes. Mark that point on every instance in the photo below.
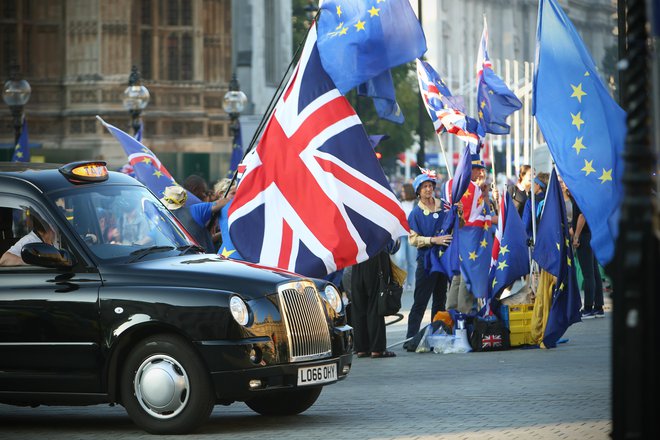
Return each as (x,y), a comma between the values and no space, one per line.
(18,246)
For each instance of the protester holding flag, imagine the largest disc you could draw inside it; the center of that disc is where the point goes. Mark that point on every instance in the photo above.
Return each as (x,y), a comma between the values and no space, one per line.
(426,219)
(226,247)
(540,184)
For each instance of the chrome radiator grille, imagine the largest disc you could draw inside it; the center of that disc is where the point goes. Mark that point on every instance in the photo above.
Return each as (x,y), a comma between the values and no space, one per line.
(306,325)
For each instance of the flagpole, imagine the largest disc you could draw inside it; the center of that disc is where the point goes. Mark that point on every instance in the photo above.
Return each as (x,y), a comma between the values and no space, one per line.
(273,101)
(442,148)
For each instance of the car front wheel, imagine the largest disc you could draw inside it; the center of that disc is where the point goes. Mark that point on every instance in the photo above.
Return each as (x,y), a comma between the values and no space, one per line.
(285,403)
(165,387)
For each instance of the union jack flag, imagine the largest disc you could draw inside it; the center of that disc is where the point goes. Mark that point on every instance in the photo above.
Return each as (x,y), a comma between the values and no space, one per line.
(313,198)
(491,341)
(444,109)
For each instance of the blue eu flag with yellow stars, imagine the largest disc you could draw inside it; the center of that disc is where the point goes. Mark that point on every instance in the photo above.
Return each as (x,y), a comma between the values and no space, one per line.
(360,39)
(475,248)
(510,255)
(22,149)
(554,254)
(583,126)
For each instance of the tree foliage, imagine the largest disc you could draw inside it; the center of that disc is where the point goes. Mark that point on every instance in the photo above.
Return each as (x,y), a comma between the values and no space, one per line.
(401,137)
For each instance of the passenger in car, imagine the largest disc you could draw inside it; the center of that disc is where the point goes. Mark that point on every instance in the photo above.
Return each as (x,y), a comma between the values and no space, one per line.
(41,232)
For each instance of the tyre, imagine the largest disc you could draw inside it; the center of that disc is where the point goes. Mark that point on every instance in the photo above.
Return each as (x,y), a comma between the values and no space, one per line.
(285,403)
(165,386)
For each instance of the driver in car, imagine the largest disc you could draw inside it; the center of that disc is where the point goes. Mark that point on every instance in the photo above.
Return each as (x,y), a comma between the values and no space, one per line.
(41,232)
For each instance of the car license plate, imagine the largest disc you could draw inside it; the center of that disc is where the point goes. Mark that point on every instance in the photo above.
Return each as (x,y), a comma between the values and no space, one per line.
(317,374)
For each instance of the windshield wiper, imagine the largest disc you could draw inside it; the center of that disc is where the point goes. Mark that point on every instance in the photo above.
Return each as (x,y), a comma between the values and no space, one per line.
(136,255)
(191,247)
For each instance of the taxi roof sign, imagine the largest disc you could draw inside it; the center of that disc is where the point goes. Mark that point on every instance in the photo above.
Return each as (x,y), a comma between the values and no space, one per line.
(85,171)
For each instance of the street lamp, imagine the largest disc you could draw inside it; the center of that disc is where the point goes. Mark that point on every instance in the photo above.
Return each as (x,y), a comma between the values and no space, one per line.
(233,103)
(16,93)
(136,98)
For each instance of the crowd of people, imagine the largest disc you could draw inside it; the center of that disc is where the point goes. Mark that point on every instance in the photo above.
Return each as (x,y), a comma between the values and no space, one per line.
(426,209)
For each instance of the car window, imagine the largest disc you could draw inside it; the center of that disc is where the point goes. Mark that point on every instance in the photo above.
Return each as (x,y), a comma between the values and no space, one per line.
(21,223)
(116,222)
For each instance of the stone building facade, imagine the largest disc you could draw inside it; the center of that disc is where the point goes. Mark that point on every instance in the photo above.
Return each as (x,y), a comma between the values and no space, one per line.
(77,56)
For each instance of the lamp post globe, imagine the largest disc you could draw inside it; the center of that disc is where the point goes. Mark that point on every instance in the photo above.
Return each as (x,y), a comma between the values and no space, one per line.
(16,93)
(136,98)
(234,102)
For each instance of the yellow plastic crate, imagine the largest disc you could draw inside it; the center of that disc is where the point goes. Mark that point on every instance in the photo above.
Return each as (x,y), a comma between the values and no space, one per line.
(520,321)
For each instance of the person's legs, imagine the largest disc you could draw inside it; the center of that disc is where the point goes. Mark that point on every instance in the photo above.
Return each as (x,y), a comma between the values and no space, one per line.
(423,290)
(467,303)
(586,257)
(452,293)
(411,263)
(439,293)
(359,308)
(598,284)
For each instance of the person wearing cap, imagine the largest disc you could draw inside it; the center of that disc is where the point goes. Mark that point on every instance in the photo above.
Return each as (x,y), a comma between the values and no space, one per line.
(425,222)
(195,218)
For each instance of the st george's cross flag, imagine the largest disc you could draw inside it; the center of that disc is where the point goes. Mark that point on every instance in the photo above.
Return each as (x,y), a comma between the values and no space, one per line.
(313,198)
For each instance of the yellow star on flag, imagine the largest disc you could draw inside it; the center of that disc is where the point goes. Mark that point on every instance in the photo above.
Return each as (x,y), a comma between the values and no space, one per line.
(19,154)
(577,120)
(373,11)
(338,11)
(146,160)
(578,145)
(481,114)
(558,246)
(359,26)
(568,260)
(588,167)
(578,92)
(340,25)
(226,252)
(473,255)
(607,175)
(483,103)
(486,226)
(380,1)
(502,265)
(504,250)
(494,282)
(484,243)
(158,174)
(343,31)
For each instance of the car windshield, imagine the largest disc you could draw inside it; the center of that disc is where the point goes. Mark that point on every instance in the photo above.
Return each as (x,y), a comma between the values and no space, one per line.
(123,223)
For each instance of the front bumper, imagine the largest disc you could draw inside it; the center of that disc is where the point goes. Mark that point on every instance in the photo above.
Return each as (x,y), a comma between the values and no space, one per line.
(233,364)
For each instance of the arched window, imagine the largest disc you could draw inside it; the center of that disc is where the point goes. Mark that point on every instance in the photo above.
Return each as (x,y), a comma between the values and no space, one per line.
(166,29)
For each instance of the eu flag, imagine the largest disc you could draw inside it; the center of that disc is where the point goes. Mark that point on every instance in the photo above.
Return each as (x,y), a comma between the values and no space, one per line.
(510,255)
(554,254)
(359,40)
(381,90)
(147,168)
(236,151)
(494,99)
(22,149)
(583,126)
(475,247)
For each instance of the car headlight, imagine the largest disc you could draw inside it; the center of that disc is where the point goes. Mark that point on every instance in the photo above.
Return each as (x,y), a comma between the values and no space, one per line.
(333,297)
(239,310)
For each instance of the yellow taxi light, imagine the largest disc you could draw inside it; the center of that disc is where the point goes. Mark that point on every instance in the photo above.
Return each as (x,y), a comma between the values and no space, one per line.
(91,170)
(79,172)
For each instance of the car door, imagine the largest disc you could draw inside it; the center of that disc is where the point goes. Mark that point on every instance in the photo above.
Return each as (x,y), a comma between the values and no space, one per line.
(50,340)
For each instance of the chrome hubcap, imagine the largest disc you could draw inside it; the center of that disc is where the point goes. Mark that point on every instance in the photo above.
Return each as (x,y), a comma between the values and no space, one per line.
(162,386)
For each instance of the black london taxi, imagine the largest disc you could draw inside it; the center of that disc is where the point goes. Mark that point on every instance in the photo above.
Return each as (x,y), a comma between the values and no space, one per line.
(113,302)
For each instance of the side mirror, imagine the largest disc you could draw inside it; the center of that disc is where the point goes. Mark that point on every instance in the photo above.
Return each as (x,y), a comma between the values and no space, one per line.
(46,255)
